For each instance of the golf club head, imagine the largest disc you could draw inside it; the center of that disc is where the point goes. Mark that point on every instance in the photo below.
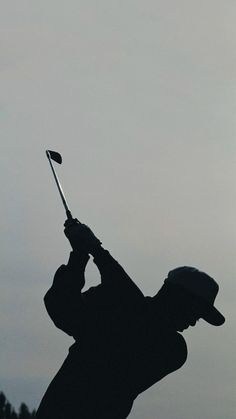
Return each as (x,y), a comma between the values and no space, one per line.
(54,155)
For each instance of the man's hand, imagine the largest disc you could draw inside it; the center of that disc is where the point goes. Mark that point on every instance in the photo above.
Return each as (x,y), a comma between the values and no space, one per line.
(81,236)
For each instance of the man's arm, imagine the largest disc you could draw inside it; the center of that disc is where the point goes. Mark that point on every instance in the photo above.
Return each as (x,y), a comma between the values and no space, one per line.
(64,301)
(116,287)
(114,277)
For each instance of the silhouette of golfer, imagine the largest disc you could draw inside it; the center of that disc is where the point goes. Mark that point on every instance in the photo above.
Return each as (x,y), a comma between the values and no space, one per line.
(124,342)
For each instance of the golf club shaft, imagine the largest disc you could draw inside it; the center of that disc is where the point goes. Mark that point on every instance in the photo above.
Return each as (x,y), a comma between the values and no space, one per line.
(68,213)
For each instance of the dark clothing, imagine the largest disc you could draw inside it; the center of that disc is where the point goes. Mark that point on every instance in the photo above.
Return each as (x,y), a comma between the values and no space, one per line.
(120,349)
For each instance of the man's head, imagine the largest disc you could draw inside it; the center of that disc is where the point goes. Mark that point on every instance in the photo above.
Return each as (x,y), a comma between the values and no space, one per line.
(191,295)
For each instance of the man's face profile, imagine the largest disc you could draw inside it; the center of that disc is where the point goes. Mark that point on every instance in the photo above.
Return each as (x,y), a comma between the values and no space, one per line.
(184,311)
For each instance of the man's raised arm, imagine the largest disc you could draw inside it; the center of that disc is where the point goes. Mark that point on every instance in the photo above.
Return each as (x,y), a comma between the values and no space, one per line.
(113,277)
(63,301)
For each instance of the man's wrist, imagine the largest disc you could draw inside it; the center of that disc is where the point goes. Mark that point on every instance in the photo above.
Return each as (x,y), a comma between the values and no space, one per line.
(78,258)
(97,250)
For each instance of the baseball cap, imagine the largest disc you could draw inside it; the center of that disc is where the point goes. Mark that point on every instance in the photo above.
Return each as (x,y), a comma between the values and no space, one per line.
(202,287)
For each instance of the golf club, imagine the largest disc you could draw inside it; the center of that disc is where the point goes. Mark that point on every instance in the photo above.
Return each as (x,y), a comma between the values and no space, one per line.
(55,156)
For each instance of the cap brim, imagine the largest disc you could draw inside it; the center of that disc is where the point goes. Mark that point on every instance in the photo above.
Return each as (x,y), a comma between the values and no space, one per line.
(213,316)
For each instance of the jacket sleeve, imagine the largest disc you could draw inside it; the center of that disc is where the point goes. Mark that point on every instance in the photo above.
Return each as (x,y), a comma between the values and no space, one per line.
(64,301)
(115,282)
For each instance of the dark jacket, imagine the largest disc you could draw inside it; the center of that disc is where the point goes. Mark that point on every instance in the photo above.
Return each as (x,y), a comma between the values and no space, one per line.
(120,349)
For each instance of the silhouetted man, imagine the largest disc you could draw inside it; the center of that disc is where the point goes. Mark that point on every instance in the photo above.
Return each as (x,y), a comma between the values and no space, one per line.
(124,342)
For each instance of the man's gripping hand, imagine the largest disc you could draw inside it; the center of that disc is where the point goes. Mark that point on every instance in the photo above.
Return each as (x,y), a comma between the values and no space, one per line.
(81,237)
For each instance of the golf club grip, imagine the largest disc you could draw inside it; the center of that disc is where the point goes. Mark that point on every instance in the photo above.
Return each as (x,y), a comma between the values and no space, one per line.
(69,215)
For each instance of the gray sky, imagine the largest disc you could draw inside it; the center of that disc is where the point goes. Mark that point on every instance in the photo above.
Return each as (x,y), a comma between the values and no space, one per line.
(139,97)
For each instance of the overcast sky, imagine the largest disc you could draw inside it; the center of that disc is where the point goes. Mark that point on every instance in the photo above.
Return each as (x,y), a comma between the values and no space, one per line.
(140,100)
